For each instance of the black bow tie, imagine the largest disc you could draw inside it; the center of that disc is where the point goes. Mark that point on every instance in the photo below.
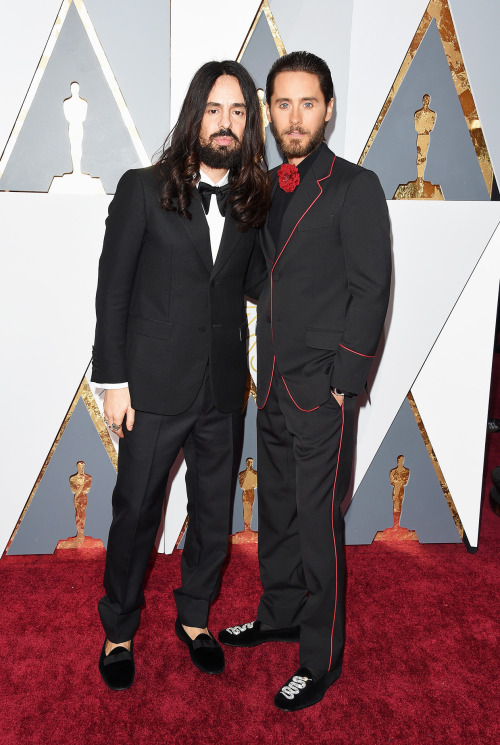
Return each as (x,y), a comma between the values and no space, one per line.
(221,192)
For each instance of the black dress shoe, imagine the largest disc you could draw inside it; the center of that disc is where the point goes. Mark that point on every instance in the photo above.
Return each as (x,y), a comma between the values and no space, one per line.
(251,634)
(302,690)
(493,425)
(117,668)
(205,652)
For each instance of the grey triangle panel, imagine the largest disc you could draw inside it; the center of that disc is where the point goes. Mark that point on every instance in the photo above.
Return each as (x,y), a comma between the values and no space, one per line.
(136,39)
(258,58)
(51,514)
(451,159)
(42,149)
(424,510)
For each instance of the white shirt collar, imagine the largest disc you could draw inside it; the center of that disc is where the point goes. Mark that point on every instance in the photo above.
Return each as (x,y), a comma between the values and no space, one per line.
(224,180)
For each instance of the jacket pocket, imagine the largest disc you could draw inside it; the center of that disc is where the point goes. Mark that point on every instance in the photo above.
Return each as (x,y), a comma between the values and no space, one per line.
(149,327)
(323,338)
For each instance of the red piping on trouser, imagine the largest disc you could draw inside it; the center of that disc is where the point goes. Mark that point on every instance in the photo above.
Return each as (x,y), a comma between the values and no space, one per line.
(334,541)
(371,356)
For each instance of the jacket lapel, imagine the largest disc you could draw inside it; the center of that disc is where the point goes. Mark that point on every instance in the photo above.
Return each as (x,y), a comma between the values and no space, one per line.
(308,192)
(267,242)
(197,228)
(228,242)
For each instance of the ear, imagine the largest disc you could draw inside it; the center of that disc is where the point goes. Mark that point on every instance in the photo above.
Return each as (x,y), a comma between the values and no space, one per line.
(329,109)
(268,112)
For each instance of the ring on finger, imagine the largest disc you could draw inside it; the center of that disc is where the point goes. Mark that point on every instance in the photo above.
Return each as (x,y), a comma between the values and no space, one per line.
(116,427)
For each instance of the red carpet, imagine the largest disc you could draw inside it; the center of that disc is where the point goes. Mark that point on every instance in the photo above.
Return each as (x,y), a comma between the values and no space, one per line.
(421,663)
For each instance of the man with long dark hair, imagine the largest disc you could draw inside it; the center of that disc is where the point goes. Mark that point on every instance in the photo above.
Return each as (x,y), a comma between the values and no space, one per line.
(170,349)
(320,316)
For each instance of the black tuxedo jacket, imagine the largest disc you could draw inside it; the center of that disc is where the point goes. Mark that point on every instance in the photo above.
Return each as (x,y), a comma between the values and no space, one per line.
(164,310)
(321,312)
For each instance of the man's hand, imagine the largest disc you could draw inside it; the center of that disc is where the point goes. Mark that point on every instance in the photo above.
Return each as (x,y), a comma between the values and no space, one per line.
(339,399)
(116,408)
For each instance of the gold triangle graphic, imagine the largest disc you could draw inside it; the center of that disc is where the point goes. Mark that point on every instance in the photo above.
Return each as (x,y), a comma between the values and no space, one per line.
(436,466)
(264,8)
(106,70)
(440,11)
(84,392)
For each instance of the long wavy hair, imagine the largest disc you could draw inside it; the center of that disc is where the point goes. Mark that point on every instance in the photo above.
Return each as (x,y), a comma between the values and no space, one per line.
(179,164)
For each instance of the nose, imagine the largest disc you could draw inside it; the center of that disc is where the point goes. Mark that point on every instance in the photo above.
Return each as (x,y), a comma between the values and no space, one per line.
(295,115)
(224,120)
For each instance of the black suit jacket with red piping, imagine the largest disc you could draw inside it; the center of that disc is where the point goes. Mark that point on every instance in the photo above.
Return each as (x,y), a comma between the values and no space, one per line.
(164,310)
(321,312)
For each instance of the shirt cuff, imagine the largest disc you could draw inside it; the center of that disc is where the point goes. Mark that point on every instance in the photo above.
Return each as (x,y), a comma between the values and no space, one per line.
(111,386)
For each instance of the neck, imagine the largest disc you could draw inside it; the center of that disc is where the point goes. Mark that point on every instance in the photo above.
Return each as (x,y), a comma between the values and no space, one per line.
(216,174)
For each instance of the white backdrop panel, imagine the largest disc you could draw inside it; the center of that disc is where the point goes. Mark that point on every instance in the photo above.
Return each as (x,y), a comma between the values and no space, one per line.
(436,246)
(51,246)
(23,42)
(452,389)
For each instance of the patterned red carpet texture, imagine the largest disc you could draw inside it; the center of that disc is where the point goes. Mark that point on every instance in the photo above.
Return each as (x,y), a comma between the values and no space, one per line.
(421,663)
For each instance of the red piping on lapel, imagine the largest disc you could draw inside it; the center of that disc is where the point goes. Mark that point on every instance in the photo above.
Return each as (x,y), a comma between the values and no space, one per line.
(370,356)
(288,239)
(307,210)
(334,541)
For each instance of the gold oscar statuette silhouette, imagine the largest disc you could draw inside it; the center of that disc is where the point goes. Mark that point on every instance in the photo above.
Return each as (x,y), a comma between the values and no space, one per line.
(399,478)
(263,116)
(425,120)
(75,113)
(80,483)
(248,483)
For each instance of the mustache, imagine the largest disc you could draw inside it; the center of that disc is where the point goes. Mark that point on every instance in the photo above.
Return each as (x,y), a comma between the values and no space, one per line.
(299,130)
(224,133)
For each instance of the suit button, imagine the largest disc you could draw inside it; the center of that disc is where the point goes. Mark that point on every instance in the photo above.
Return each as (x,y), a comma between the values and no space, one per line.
(276,276)
(202,328)
(213,283)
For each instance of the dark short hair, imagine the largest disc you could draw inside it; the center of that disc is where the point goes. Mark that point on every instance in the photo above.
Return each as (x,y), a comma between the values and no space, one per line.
(301,62)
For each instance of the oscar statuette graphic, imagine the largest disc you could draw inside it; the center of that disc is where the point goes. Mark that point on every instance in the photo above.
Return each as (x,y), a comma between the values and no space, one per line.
(75,113)
(399,478)
(248,483)
(425,120)
(80,483)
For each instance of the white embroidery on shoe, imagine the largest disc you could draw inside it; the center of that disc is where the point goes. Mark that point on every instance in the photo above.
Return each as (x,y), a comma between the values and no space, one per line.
(235,630)
(294,687)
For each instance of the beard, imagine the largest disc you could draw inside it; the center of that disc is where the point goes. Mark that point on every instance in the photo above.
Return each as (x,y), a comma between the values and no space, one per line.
(221,156)
(291,149)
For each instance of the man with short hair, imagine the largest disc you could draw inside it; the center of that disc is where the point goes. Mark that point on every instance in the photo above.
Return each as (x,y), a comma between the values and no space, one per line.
(320,315)
(171,322)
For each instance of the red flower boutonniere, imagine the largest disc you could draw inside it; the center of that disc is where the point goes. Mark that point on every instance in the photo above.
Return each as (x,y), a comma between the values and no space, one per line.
(288,177)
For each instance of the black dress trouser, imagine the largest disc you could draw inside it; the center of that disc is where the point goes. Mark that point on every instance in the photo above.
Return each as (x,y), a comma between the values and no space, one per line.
(304,467)
(145,457)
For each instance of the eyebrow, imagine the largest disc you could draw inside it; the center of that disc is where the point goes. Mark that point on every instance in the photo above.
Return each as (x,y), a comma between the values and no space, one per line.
(237,105)
(303,98)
